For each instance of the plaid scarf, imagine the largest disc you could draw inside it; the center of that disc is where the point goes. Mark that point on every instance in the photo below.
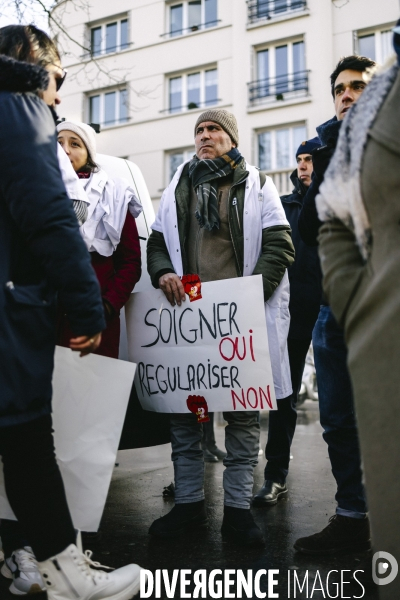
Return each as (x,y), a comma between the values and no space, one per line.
(203,175)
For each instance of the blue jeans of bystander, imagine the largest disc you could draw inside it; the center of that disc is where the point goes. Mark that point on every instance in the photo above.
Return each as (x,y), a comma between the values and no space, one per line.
(337,414)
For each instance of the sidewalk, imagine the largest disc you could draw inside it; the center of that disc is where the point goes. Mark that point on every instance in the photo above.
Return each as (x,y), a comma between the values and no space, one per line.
(135,500)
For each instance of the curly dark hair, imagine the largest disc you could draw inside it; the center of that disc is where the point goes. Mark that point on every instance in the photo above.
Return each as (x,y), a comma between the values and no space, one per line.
(29,44)
(354,63)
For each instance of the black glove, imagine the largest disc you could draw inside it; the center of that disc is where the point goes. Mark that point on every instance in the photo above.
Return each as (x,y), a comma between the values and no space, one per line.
(321,159)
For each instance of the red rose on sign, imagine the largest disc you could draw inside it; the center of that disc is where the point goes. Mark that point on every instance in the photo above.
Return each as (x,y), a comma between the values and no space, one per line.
(192,287)
(198,406)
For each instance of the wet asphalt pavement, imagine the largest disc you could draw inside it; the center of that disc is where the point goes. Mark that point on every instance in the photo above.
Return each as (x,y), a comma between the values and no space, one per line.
(135,500)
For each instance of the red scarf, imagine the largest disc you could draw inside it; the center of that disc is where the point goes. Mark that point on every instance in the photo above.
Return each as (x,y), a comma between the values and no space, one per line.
(83,174)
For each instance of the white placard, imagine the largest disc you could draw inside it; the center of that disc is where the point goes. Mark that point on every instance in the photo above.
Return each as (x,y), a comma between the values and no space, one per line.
(90,398)
(215,347)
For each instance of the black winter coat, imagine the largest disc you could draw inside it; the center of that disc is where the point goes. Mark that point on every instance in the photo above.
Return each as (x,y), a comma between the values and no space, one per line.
(304,273)
(41,250)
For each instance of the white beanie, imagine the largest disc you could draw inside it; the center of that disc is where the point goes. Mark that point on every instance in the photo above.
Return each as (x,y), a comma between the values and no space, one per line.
(85,132)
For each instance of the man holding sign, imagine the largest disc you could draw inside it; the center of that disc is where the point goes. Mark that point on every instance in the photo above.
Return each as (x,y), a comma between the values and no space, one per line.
(220,218)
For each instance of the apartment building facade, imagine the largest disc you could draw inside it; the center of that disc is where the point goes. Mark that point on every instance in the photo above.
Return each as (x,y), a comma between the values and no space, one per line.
(145,69)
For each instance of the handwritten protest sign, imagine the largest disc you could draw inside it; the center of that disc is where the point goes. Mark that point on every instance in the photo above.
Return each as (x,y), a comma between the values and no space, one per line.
(90,396)
(210,354)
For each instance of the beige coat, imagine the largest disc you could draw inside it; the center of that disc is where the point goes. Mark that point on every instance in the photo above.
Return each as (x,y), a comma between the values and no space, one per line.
(365,298)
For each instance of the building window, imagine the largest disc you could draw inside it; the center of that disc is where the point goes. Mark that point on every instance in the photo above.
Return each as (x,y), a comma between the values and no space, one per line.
(109,108)
(376,45)
(281,70)
(109,37)
(268,9)
(193,90)
(276,153)
(277,147)
(192,15)
(176,158)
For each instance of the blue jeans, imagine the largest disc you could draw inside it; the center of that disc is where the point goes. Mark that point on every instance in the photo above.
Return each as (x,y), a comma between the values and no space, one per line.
(337,414)
(242,436)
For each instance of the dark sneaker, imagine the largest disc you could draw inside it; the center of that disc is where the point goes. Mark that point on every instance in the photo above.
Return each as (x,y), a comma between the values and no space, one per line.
(209,457)
(220,454)
(180,519)
(270,493)
(342,534)
(239,525)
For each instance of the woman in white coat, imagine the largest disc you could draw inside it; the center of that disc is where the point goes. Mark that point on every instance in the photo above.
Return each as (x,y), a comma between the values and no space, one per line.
(109,231)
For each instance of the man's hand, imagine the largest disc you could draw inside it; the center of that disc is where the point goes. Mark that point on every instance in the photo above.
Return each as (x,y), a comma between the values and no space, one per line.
(172,287)
(85,344)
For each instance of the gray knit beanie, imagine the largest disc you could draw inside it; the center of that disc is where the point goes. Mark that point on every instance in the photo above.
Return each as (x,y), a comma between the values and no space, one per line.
(85,132)
(224,118)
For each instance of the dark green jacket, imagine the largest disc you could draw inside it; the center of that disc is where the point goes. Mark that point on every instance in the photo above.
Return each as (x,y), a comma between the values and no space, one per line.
(277,248)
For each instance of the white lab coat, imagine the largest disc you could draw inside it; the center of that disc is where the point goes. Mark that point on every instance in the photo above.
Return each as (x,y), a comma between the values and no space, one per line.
(110,199)
(262,209)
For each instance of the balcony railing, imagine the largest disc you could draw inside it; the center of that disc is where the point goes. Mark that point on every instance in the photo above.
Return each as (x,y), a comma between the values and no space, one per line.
(281,179)
(186,30)
(268,9)
(190,106)
(282,87)
(92,53)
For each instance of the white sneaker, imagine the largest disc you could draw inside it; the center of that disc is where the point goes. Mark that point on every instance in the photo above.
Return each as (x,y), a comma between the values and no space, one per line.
(69,576)
(22,568)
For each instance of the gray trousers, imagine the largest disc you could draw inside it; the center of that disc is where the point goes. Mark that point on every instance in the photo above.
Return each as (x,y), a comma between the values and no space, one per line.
(242,437)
